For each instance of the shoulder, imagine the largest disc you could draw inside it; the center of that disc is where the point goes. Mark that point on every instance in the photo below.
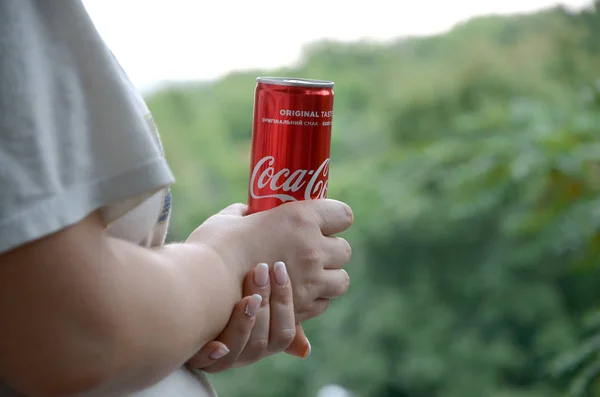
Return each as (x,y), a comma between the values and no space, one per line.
(76,135)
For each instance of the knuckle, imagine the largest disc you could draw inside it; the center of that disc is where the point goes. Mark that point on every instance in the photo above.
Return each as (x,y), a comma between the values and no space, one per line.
(258,347)
(311,257)
(300,219)
(244,327)
(283,340)
(284,298)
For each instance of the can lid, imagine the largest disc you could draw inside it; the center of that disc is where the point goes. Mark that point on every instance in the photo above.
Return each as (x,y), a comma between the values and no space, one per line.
(295,82)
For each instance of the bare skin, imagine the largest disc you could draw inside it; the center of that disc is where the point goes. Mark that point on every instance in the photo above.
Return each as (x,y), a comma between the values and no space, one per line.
(256,332)
(84,314)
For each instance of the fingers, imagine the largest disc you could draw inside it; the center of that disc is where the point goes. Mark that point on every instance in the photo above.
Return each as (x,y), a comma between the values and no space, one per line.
(218,355)
(339,252)
(300,346)
(332,216)
(335,283)
(211,352)
(258,282)
(237,209)
(283,324)
(318,307)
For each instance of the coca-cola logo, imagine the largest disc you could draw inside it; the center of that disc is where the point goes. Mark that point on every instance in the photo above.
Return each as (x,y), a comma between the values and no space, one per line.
(283,183)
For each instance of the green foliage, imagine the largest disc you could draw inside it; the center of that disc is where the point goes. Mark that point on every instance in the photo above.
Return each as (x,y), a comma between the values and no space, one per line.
(471,162)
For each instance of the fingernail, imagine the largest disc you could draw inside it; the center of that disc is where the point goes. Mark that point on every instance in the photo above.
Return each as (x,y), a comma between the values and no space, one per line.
(219,353)
(281,275)
(253,305)
(307,350)
(261,275)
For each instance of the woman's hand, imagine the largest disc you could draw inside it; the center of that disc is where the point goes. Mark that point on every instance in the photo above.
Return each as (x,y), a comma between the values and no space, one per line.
(299,233)
(262,324)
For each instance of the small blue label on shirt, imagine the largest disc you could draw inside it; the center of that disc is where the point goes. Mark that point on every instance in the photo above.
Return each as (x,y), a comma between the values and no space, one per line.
(166,208)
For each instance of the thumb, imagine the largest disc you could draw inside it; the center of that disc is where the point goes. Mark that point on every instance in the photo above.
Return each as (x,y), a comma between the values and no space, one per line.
(300,346)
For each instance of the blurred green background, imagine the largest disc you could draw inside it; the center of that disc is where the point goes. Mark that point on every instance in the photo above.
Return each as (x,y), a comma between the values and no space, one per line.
(471,160)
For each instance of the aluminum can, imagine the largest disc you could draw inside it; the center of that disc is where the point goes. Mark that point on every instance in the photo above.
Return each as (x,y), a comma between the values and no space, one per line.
(291,139)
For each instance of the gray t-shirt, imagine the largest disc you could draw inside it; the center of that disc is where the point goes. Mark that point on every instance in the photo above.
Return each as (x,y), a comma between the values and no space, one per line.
(75,136)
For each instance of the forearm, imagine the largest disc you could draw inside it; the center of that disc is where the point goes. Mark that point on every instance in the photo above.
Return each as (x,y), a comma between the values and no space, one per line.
(109,315)
(182,298)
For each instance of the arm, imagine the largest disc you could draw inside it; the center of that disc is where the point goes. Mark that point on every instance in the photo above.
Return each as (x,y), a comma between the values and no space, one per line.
(82,312)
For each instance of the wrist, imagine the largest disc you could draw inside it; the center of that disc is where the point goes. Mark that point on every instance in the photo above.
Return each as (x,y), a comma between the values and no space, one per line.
(231,257)
(207,287)
(186,258)
(227,260)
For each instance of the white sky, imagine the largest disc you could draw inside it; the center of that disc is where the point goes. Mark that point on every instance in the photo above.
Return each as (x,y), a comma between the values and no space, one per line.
(160,41)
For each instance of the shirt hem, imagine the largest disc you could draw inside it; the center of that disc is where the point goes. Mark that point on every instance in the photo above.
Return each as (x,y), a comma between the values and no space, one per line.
(73,204)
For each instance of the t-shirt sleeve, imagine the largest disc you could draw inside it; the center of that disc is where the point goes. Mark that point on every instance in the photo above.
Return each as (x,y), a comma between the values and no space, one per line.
(72,137)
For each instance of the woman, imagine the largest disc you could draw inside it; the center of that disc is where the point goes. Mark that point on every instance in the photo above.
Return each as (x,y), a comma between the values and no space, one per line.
(92,302)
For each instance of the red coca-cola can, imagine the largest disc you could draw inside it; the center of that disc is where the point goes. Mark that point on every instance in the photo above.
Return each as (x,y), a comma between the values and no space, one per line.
(291,139)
